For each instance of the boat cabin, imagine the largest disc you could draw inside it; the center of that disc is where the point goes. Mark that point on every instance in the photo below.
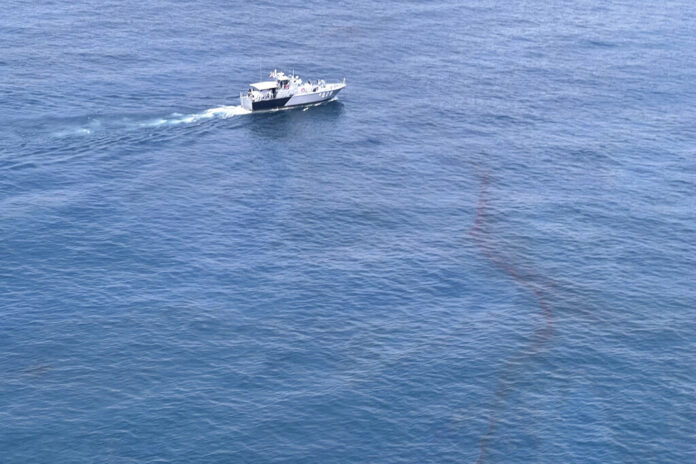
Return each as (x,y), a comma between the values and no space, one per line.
(265,89)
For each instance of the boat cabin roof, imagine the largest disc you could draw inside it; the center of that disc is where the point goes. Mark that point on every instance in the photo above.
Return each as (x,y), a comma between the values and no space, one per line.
(266,85)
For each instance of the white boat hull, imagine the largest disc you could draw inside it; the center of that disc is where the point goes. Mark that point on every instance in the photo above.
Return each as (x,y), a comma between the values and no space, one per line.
(314,97)
(325,93)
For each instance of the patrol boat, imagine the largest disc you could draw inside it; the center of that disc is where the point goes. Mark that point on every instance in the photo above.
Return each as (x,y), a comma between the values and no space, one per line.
(285,91)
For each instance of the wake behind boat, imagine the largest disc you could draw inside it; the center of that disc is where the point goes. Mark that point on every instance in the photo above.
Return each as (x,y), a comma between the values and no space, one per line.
(286,91)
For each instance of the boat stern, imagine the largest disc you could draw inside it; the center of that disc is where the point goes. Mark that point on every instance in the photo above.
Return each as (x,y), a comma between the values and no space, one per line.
(246,102)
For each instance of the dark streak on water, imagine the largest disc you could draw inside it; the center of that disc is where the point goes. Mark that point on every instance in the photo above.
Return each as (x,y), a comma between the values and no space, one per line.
(541,335)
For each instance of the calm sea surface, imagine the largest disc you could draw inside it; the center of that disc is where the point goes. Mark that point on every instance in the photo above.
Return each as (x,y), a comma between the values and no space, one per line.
(483,251)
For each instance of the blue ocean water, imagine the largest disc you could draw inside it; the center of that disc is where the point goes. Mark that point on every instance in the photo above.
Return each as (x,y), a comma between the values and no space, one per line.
(483,251)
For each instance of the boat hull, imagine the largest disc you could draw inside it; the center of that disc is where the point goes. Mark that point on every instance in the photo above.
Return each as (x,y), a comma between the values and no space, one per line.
(312,98)
(269,104)
(299,99)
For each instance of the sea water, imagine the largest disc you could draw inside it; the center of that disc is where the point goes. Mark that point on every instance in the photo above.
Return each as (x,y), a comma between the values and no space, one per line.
(483,251)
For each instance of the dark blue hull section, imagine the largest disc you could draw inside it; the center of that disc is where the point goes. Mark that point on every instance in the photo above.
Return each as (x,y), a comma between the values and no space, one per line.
(269,104)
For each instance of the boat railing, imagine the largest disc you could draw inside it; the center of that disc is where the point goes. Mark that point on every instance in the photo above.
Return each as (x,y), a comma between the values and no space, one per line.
(252,97)
(316,86)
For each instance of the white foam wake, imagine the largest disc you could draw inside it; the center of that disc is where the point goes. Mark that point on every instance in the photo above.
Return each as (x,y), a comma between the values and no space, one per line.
(129,123)
(222,112)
